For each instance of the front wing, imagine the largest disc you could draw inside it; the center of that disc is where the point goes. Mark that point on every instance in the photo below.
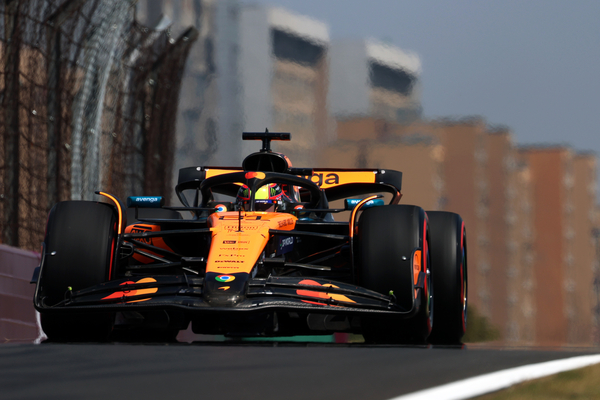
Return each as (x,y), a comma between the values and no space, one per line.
(185,292)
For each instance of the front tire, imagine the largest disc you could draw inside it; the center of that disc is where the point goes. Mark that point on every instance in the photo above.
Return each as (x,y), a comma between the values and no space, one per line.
(79,246)
(387,238)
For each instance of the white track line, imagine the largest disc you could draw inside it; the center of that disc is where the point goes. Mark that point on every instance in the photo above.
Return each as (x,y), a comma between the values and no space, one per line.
(41,335)
(494,381)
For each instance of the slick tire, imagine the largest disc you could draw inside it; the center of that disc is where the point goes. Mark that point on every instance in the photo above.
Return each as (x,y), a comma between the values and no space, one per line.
(79,246)
(387,237)
(449,268)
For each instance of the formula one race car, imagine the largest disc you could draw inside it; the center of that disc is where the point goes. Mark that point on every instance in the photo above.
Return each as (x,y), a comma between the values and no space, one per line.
(256,251)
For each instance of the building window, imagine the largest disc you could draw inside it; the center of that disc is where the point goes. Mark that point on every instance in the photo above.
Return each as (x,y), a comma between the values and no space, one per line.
(295,49)
(392,79)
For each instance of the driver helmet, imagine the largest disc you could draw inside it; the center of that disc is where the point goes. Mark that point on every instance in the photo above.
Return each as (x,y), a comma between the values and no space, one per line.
(268,198)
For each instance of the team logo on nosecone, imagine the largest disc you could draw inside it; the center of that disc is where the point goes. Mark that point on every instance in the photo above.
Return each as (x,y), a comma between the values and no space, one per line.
(225,278)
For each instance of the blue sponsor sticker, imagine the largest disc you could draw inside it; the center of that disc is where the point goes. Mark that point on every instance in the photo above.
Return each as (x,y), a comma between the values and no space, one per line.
(225,278)
(145,201)
(349,204)
(286,244)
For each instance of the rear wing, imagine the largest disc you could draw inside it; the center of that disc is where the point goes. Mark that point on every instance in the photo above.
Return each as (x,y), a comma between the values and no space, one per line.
(337,183)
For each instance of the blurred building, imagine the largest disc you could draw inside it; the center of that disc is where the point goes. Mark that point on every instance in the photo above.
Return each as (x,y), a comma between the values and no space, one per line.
(520,328)
(254,68)
(530,217)
(490,186)
(499,152)
(464,166)
(209,122)
(510,279)
(467,193)
(284,74)
(376,143)
(373,79)
(596,283)
(585,261)
(563,185)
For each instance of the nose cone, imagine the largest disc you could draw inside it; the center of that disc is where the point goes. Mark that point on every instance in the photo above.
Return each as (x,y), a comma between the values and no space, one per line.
(225,290)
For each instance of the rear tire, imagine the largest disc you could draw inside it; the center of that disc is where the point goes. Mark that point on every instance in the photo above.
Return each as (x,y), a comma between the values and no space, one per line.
(79,246)
(387,237)
(449,266)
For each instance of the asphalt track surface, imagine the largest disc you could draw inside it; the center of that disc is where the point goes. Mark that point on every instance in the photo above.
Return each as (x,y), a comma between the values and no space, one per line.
(217,370)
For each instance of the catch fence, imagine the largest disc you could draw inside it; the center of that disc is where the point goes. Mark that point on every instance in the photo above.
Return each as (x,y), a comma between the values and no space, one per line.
(88,102)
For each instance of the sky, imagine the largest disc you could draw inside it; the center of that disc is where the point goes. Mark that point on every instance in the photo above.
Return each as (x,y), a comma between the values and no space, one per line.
(530,65)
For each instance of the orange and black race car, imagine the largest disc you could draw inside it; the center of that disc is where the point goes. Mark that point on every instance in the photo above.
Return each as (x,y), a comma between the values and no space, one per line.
(261,250)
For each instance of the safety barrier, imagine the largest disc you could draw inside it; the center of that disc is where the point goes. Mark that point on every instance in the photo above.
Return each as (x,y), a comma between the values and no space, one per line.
(17,315)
